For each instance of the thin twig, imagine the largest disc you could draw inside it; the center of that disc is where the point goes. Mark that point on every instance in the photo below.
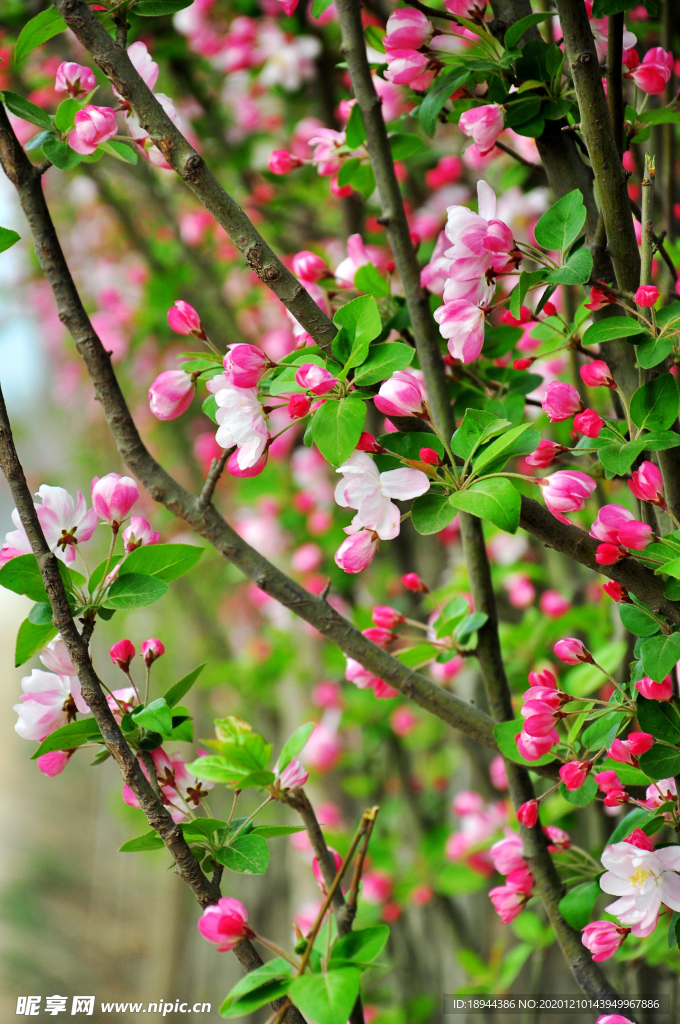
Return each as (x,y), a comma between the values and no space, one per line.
(216,469)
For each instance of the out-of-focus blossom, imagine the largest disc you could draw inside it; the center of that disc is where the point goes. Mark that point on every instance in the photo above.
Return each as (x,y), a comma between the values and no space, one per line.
(357,256)
(323,748)
(376,886)
(553,604)
(412,581)
(498,774)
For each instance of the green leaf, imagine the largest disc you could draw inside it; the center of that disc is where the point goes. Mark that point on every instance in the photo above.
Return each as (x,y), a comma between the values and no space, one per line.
(562,223)
(404,144)
(409,445)
(579,903)
(576,270)
(661,116)
(637,818)
(327,998)
(637,620)
(319,6)
(527,279)
(653,351)
(660,762)
(520,111)
(294,745)
(499,449)
(134,591)
(8,238)
(41,614)
(383,360)
(618,458)
(355,133)
(477,427)
(38,140)
(66,113)
(29,111)
(337,427)
(201,828)
(431,512)
(655,405)
(660,718)
(149,841)
(416,657)
(121,150)
(31,639)
(532,129)
(629,775)
(22,575)
(272,831)
(443,87)
(363,945)
(157,8)
(605,8)
(505,733)
(214,768)
(610,329)
(163,561)
(176,692)
(494,499)
(156,717)
(255,780)
(70,736)
(361,319)
(369,280)
(659,654)
(464,632)
(516,31)
(248,855)
(60,153)
(37,31)
(255,989)
(582,796)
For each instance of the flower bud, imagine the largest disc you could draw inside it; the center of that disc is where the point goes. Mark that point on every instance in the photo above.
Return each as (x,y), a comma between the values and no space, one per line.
(430,456)
(234,469)
(636,535)
(546,453)
(588,423)
(244,365)
(609,554)
(151,650)
(283,162)
(382,637)
(483,125)
(298,406)
(357,551)
(646,484)
(597,375)
(183,319)
(387,617)
(367,443)
(113,496)
(315,378)
(401,395)
(575,773)
(407,29)
(639,839)
(225,924)
(602,939)
(527,814)
(171,394)
(54,763)
(122,654)
(412,581)
(561,401)
(655,691)
(572,651)
(93,125)
(646,295)
(139,532)
(293,776)
(616,591)
(307,266)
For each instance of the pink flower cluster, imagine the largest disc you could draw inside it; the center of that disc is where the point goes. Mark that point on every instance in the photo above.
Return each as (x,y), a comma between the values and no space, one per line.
(541,711)
(619,530)
(653,73)
(479,823)
(508,859)
(408,32)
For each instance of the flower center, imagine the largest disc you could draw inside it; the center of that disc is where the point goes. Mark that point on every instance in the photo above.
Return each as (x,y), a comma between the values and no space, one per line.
(640,876)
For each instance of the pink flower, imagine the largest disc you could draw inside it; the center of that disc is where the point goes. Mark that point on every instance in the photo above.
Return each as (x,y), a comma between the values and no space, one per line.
(561,401)
(403,721)
(520,880)
(615,590)
(566,491)
(376,886)
(508,853)
(643,880)
(143,63)
(138,533)
(93,125)
(558,839)
(316,867)
(293,776)
(412,581)
(546,453)
(326,143)
(540,718)
(521,592)
(599,299)
(575,773)
(234,469)
(54,763)
(653,73)
(603,938)
(646,295)
(387,617)
(544,678)
(646,484)
(44,706)
(244,365)
(151,650)
(462,324)
(597,375)
(171,394)
(498,774)
(122,654)
(608,781)
(483,125)
(64,522)
(282,162)
(183,319)
(655,691)
(588,423)
(241,421)
(405,65)
(527,814)
(636,535)
(370,492)
(407,29)
(307,266)
(507,902)
(357,256)
(659,792)
(613,1018)
(365,680)
(74,79)
(639,839)
(327,694)
(533,747)
(323,748)
(553,605)
(401,395)
(357,551)
(610,520)
(225,924)
(298,406)
(315,379)
(572,651)
(113,496)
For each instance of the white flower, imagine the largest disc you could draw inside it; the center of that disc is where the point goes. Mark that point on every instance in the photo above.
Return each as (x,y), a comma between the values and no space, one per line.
(65,522)
(56,658)
(369,491)
(643,879)
(241,419)
(43,708)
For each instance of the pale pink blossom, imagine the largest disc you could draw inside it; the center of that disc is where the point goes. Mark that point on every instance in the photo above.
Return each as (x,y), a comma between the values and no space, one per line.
(483,125)
(567,491)
(370,492)
(403,721)
(45,705)
(407,29)
(307,266)
(405,66)
(365,680)
(55,658)
(315,378)
(93,125)
(307,557)
(521,592)
(357,551)
(241,420)
(643,880)
(171,394)
(357,256)
(434,274)
(325,157)
(660,792)
(16,541)
(401,395)
(75,79)
(244,365)
(323,748)
(64,522)
(293,776)
(603,938)
(139,532)
(143,63)
(225,924)
(113,496)
(462,324)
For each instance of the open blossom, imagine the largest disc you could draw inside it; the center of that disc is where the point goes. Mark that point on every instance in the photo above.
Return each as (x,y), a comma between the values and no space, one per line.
(561,401)
(45,705)
(64,522)
(316,379)
(241,420)
(655,691)
(244,365)
(357,256)
(171,394)
(113,496)
(139,532)
(225,924)
(643,880)
(567,491)
(401,395)
(483,125)
(603,938)
(659,792)
(462,324)
(55,658)
(74,79)
(654,72)
(326,143)
(646,483)
(365,680)
(357,551)
(93,125)
(370,492)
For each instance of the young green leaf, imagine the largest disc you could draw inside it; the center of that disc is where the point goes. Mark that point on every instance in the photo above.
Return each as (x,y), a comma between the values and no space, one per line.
(8,238)
(149,841)
(133,590)
(383,360)
(494,499)
(610,329)
(32,638)
(661,718)
(562,223)
(294,745)
(579,903)
(361,319)
(156,717)
(29,111)
(355,133)
(159,8)
(60,153)
(327,998)
(37,31)
(120,150)
(257,988)
(248,855)
(176,692)
(337,427)
(369,280)
(659,654)
(443,87)
(516,31)
(403,144)
(165,562)
(576,270)
(362,946)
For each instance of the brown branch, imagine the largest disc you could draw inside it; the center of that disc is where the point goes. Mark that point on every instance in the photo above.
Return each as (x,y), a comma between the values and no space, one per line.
(216,470)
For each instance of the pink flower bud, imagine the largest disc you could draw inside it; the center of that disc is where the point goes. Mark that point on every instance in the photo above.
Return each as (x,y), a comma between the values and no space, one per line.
(293,776)
(639,742)
(407,29)
(655,691)
(523,364)
(615,591)
(553,605)
(139,532)
(615,798)
(74,79)
(307,266)
(533,747)
(619,751)
(654,72)
(282,162)
(639,839)
(599,298)
(225,924)
(315,378)
(520,880)
(607,781)
(298,406)
(122,654)
(382,637)
(376,886)
(151,650)
(646,484)
(483,125)
(588,423)
(609,554)
(647,295)
(597,375)
(603,938)
(316,867)
(507,903)
(93,125)
(412,581)
(387,617)
(171,394)
(367,443)
(403,721)
(405,65)
(636,535)
(244,365)
(401,395)
(546,453)
(561,401)
(527,814)
(234,469)
(566,491)
(572,651)
(54,763)
(327,694)
(575,773)
(498,773)
(183,319)
(113,496)
(544,678)
(430,456)
(508,853)
(357,551)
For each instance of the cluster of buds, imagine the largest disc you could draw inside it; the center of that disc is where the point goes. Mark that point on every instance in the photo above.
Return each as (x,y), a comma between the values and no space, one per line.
(508,859)
(619,530)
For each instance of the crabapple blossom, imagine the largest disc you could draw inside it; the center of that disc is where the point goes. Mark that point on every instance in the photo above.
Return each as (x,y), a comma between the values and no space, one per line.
(113,496)
(561,401)
(646,484)
(546,453)
(588,423)
(370,492)
(615,591)
(316,867)
(298,406)
(403,721)
(640,839)
(508,853)
(572,651)
(603,938)
(527,814)
(575,773)
(357,551)
(234,469)
(647,295)
(566,491)
(553,604)
(307,266)
(75,79)
(387,617)
(138,533)
(533,747)
(282,162)
(357,256)
(293,776)
(636,743)
(327,694)
(241,421)
(507,902)
(461,323)
(412,581)
(558,839)
(225,924)
(407,29)
(55,658)
(151,650)
(315,378)
(376,887)
(405,65)
(171,394)
(653,73)
(597,374)
(64,522)
(325,157)
(45,705)
(401,395)
(183,319)
(643,880)
(659,792)
(54,763)
(323,748)
(521,592)
(244,365)
(655,691)
(365,680)
(483,125)
(92,126)
(122,654)
(498,773)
